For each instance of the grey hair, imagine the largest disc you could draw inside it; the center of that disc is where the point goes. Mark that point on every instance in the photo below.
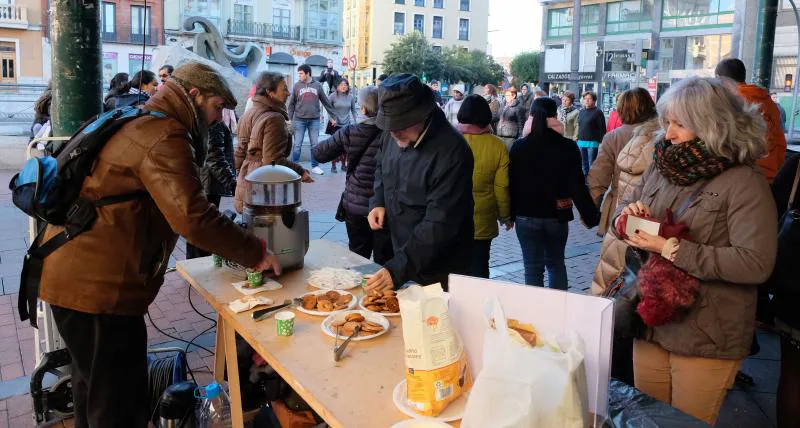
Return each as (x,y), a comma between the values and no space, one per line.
(712,109)
(368,99)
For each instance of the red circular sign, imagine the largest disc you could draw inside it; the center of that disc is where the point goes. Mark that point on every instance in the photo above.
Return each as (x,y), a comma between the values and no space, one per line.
(353,62)
(344,61)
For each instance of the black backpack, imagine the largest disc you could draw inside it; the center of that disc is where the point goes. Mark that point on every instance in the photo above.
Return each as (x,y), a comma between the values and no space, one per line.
(48,189)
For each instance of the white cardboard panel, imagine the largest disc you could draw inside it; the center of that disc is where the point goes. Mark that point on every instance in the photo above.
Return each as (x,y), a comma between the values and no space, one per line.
(546,309)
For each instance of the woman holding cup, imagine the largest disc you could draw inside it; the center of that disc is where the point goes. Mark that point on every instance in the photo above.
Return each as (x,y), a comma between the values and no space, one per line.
(705,155)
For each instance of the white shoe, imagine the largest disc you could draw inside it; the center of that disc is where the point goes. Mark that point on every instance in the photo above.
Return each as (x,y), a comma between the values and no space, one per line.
(317,170)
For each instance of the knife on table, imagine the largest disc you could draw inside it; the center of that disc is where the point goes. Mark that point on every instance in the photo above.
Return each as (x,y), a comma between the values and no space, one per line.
(262,314)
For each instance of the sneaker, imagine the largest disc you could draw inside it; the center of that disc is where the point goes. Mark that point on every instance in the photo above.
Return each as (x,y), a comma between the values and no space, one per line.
(317,170)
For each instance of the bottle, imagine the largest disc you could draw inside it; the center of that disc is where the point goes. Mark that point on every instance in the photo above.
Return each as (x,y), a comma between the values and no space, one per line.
(214,410)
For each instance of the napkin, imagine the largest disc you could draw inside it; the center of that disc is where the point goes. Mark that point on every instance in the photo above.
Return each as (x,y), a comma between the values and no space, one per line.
(269,285)
(249,302)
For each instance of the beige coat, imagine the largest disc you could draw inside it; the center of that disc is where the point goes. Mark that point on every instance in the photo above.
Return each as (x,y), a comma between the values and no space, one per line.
(632,161)
(603,175)
(732,251)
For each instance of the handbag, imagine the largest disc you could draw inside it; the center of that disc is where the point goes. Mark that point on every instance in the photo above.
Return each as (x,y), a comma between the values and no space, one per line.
(341,214)
(784,275)
(627,322)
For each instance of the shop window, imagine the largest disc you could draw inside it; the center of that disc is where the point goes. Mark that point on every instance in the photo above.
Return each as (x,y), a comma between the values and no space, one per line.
(419,23)
(438,27)
(704,52)
(463,29)
(559,22)
(629,17)
(679,14)
(243,13)
(399,23)
(590,20)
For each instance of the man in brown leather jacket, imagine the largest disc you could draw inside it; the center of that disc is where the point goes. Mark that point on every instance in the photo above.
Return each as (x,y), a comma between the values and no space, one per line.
(101,283)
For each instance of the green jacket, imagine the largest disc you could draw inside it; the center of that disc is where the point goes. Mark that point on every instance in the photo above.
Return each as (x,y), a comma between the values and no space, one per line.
(489,183)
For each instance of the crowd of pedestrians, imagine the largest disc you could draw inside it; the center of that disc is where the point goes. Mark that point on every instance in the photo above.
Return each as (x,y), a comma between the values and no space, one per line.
(700,162)
(430,184)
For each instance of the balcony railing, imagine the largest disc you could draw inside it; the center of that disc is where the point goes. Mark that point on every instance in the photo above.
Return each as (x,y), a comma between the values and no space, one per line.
(126,36)
(13,16)
(262,29)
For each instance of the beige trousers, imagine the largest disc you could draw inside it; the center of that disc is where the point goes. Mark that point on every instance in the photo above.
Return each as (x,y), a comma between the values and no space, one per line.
(694,385)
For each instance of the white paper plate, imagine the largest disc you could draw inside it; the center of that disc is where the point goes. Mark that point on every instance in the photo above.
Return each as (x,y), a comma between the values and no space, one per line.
(421,423)
(350,305)
(386,314)
(370,316)
(335,279)
(453,412)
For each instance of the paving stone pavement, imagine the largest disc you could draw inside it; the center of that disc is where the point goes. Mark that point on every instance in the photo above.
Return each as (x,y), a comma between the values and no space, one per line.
(173,314)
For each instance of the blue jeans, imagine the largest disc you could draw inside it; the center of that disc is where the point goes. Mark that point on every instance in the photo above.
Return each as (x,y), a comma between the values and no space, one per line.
(300,127)
(543,241)
(588,155)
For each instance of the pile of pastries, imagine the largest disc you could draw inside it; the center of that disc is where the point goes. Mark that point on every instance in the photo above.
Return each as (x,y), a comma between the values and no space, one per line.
(327,302)
(385,302)
(348,325)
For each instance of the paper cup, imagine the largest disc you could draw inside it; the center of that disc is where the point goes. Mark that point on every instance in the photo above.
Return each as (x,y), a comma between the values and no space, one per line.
(255,278)
(285,322)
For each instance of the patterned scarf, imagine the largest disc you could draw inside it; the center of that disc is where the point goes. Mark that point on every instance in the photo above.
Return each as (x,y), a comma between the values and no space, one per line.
(685,164)
(563,112)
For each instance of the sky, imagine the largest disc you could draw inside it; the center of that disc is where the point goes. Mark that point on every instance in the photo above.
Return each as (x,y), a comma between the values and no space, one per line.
(514,26)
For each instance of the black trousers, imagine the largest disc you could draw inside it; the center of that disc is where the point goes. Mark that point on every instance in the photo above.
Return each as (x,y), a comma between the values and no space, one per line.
(368,243)
(479,264)
(193,252)
(109,367)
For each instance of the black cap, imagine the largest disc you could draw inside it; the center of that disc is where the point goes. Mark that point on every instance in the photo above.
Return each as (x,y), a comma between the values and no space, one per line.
(403,101)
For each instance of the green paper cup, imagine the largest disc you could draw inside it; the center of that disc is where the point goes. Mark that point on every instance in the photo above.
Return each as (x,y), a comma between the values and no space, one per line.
(285,322)
(255,279)
(217,260)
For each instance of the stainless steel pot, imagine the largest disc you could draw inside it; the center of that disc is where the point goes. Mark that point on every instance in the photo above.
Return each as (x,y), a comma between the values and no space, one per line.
(273,186)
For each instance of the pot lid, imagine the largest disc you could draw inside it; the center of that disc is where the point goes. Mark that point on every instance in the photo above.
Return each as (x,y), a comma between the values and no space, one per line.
(272,174)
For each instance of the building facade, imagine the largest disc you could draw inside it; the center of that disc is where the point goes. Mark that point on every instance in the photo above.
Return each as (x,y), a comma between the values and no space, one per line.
(24,50)
(130,30)
(647,43)
(371,26)
(290,32)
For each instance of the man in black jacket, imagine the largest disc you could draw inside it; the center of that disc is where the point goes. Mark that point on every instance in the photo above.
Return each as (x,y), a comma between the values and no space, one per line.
(423,188)
(217,173)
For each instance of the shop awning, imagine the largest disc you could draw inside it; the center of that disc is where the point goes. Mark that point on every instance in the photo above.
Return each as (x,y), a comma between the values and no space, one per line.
(317,61)
(281,58)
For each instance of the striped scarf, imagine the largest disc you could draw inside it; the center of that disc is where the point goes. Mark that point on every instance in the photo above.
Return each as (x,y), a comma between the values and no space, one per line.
(563,112)
(685,164)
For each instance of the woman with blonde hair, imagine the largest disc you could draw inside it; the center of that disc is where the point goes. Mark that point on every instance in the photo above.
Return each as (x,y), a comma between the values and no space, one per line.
(717,244)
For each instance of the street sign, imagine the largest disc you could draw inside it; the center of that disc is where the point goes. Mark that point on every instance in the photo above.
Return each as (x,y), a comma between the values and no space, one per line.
(344,61)
(652,87)
(353,62)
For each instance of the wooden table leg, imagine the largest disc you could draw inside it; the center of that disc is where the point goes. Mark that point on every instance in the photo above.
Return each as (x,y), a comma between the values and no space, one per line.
(233,376)
(219,351)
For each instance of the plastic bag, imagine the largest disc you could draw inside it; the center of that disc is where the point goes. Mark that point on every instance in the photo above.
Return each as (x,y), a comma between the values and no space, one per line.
(436,363)
(524,385)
